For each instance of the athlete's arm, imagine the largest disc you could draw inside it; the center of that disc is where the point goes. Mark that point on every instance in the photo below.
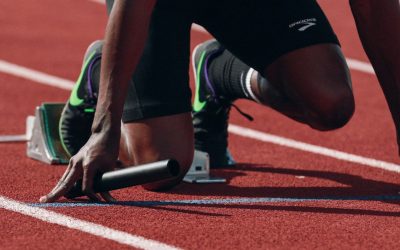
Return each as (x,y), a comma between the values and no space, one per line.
(378,24)
(123,45)
(124,41)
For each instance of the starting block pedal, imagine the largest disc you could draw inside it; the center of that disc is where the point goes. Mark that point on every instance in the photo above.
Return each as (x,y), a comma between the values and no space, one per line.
(44,144)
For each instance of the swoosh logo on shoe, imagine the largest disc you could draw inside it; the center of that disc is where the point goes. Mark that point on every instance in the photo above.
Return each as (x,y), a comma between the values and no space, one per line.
(74,99)
(198,104)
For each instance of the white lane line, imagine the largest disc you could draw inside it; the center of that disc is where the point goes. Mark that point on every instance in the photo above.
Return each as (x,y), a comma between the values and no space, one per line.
(282,141)
(235,129)
(360,66)
(98,1)
(34,75)
(13,138)
(83,226)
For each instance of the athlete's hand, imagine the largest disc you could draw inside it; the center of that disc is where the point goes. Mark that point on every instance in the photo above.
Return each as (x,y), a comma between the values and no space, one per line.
(98,155)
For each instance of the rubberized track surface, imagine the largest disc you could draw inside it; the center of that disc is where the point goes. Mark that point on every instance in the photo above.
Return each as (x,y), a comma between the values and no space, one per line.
(279,197)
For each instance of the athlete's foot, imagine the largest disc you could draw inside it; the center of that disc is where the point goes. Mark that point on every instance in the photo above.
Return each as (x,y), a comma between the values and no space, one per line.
(77,117)
(210,111)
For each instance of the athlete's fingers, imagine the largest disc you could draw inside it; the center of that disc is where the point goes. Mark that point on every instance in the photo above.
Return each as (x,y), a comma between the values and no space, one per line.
(65,173)
(88,177)
(89,172)
(93,196)
(61,181)
(64,176)
(108,197)
(63,186)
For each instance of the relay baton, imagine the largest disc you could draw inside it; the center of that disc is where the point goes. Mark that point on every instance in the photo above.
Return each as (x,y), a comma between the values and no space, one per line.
(130,176)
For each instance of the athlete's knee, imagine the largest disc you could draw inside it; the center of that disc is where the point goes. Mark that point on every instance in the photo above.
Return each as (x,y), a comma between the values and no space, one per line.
(335,112)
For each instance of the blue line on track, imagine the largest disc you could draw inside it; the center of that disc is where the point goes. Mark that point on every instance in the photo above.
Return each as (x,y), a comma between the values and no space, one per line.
(226,201)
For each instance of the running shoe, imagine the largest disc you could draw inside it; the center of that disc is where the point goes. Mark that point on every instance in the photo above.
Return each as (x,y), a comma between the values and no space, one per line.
(77,116)
(210,110)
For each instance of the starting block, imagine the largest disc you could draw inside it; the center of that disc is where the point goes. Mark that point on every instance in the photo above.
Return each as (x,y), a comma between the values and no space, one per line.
(199,171)
(44,144)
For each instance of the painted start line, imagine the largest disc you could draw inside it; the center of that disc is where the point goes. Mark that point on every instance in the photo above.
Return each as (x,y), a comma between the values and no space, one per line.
(226,201)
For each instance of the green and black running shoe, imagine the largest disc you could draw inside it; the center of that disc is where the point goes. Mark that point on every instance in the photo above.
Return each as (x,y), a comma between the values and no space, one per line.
(210,111)
(77,117)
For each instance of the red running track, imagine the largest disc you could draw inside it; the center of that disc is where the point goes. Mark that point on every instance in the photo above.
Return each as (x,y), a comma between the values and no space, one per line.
(325,202)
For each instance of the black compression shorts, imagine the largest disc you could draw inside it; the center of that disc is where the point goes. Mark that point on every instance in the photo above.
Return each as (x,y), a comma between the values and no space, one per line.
(256,31)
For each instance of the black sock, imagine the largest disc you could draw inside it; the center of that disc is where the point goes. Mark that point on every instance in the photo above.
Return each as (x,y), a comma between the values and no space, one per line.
(229,76)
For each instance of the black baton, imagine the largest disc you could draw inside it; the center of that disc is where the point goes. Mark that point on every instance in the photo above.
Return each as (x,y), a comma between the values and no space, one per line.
(128,177)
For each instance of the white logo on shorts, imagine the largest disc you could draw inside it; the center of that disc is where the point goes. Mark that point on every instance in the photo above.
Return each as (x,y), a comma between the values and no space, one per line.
(305,24)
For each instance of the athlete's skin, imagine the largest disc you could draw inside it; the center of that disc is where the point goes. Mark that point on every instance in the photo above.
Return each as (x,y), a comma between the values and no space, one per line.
(378,24)
(311,85)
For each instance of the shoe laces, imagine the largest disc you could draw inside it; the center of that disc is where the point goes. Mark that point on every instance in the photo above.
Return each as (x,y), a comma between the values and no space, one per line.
(247,116)
(224,109)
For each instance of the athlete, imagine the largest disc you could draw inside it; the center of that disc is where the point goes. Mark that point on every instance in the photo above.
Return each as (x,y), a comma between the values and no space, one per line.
(286,57)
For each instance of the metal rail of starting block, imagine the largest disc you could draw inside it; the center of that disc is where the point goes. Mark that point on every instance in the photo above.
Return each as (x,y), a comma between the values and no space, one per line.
(44,144)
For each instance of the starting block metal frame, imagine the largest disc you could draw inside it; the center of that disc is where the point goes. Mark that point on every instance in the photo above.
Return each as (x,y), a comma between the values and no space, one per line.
(199,171)
(44,144)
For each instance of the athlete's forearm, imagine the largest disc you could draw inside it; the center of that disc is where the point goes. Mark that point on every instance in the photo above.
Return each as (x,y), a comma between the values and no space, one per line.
(124,41)
(378,24)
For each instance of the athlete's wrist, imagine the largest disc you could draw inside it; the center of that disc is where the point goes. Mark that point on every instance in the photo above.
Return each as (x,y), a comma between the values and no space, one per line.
(106,121)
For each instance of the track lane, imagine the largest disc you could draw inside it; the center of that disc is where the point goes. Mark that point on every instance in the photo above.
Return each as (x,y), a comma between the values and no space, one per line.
(274,172)
(262,182)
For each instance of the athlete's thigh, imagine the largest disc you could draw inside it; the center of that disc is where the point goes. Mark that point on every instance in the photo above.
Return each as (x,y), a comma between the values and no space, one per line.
(259,32)
(288,41)
(160,84)
(157,119)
